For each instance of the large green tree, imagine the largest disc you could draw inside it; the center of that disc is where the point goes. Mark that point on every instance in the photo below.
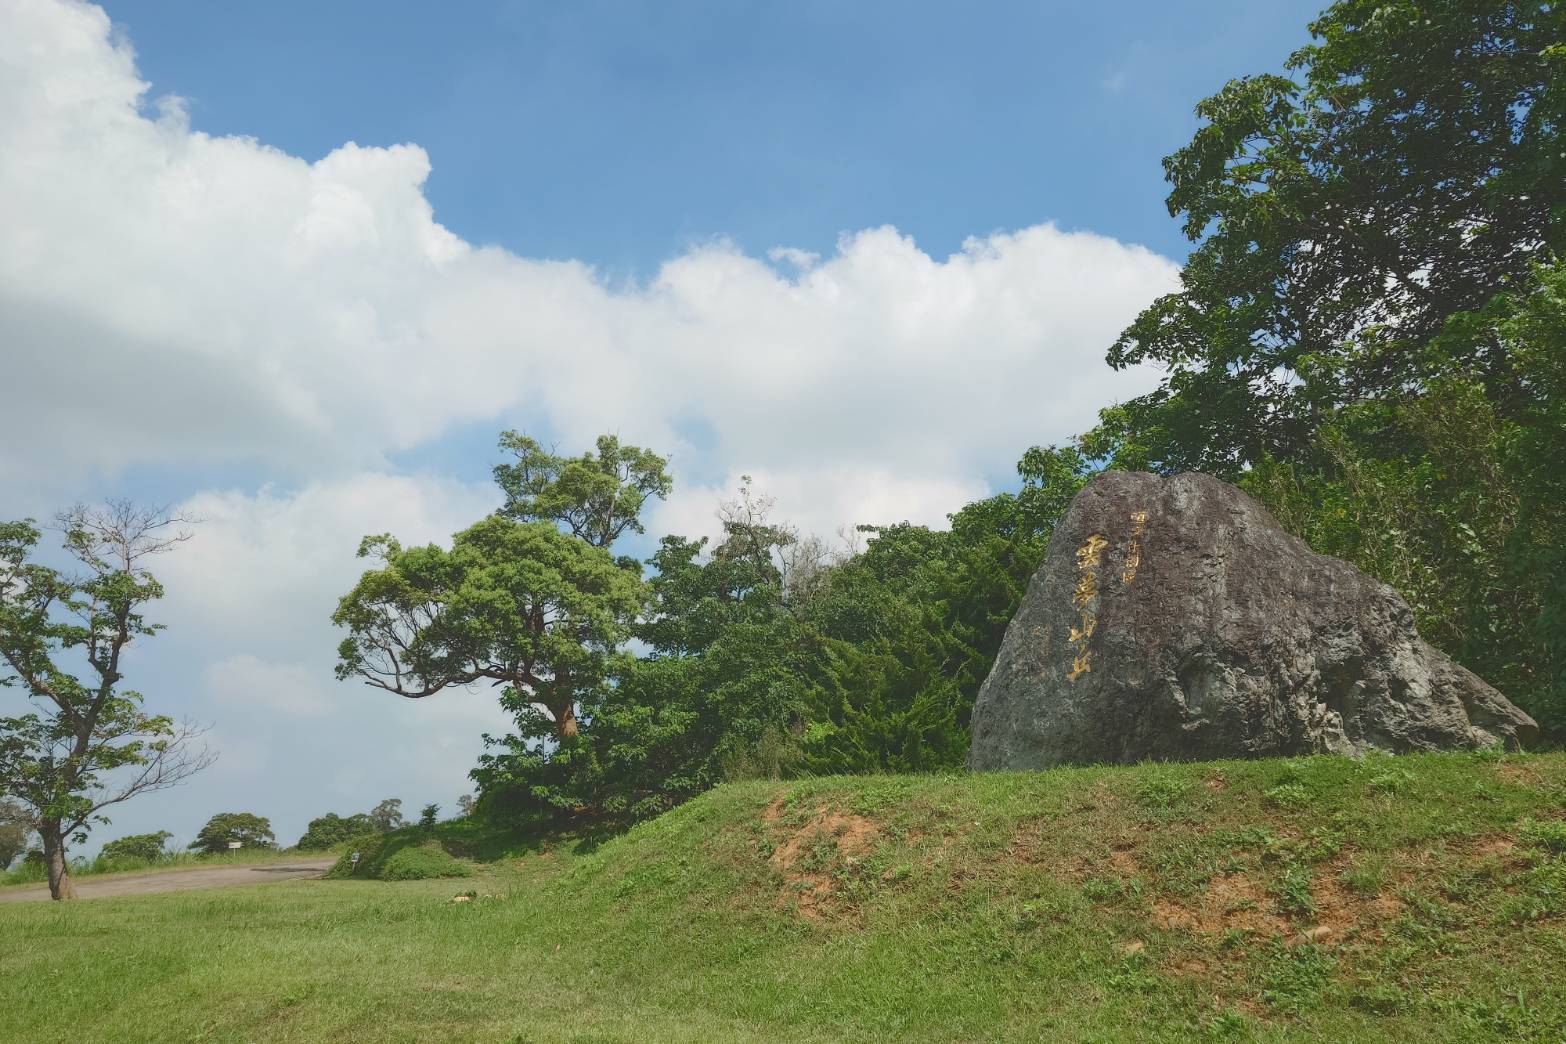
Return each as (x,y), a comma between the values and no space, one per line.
(1409,167)
(80,740)
(520,605)
(530,599)
(387,815)
(717,684)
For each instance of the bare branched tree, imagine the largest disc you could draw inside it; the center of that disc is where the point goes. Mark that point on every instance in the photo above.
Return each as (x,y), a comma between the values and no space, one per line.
(82,741)
(799,563)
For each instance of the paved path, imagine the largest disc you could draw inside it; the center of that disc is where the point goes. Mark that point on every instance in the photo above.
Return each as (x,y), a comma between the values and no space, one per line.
(180,880)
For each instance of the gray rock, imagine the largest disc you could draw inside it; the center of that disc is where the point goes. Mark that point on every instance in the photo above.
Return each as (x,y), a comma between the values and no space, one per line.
(1175,619)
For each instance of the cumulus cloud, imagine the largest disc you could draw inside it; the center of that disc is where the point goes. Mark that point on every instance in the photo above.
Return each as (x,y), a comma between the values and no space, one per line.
(186,304)
(223,303)
(265,569)
(271,688)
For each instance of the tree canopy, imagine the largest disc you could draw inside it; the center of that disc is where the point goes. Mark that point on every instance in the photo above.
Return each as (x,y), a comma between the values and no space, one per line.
(247,828)
(1407,169)
(148,847)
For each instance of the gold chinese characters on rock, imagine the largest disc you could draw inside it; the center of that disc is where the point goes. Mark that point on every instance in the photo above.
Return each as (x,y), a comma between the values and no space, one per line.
(1085,598)
(1134,551)
(1089,556)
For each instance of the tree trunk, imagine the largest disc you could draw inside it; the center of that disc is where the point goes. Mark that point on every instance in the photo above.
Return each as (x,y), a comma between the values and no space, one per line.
(565,721)
(60,886)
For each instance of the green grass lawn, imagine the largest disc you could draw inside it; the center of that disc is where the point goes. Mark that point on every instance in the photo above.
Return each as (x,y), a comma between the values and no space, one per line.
(1316,899)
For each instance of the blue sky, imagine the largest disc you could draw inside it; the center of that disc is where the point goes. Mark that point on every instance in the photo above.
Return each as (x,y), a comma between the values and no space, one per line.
(619,132)
(290,267)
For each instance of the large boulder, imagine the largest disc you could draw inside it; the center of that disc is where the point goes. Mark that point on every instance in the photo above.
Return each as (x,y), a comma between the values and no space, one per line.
(1174,618)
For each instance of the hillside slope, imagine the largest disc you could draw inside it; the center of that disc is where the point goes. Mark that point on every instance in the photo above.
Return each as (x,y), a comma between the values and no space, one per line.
(1311,899)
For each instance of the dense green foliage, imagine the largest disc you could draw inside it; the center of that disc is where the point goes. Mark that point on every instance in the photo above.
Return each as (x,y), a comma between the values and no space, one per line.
(768,656)
(332,829)
(1410,170)
(1142,903)
(147,847)
(250,830)
(1456,500)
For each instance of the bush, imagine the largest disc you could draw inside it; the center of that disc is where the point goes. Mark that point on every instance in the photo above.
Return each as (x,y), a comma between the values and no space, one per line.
(148,848)
(406,855)
(418,864)
(332,829)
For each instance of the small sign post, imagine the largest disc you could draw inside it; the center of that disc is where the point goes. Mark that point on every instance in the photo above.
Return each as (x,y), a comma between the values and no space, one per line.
(354,859)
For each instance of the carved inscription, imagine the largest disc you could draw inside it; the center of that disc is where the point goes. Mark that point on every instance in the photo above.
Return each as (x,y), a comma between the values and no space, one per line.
(1134,551)
(1089,557)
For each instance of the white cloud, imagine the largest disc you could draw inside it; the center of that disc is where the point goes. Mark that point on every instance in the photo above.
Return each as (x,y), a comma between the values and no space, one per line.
(192,304)
(265,570)
(223,303)
(270,688)
(823,501)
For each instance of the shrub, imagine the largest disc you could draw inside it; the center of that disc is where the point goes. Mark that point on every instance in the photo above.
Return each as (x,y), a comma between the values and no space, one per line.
(332,829)
(417,864)
(406,855)
(145,847)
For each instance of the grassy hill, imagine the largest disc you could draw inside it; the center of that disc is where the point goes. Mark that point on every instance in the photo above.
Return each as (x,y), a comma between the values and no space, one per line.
(1313,899)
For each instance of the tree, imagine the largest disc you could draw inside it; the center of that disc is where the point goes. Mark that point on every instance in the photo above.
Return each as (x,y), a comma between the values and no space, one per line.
(82,740)
(466,805)
(529,599)
(387,816)
(596,497)
(1409,172)
(250,830)
(718,686)
(149,847)
(427,816)
(331,829)
(518,604)
(16,828)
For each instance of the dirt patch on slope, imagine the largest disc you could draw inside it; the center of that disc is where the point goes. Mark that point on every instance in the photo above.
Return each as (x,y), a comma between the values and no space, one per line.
(813,855)
(1230,902)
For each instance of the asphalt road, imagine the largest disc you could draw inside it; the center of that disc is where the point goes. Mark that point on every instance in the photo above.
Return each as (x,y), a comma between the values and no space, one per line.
(179,880)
